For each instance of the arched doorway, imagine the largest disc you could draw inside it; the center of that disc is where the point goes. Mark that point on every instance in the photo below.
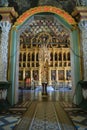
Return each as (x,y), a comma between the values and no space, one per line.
(20,26)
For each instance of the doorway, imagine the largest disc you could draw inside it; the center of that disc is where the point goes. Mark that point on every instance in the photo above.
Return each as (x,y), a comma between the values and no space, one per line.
(57,22)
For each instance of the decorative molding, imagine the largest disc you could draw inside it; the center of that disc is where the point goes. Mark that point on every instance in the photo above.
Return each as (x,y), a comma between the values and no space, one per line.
(42,9)
(9,10)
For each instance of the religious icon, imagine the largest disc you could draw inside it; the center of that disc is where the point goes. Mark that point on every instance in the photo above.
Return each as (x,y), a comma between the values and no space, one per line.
(61,74)
(53,74)
(35,75)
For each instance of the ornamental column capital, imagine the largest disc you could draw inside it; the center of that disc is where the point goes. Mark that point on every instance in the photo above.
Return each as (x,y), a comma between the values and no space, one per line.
(5,25)
(8,14)
(83,25)
(80,14)
(81,2)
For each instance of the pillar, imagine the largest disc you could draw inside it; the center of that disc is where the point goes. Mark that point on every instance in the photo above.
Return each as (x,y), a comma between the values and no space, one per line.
(81,15)
(83,28)
(5,26)
(57,75)
(8,15)
(40,76)
(49,76)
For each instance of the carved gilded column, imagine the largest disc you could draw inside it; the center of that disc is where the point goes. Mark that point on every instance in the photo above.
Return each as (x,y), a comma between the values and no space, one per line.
(83,28)
(31,74)
(40,75)
(5,26)
(35,58)
(53,58)
(49,76)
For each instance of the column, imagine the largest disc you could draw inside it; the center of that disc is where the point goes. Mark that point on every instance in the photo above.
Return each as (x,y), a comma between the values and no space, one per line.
(53,58)
(65,75)
(49,76)
(83,28)
(24,74)
(40,74)
(57,75)
(31,76)
(35,58)
(5,26)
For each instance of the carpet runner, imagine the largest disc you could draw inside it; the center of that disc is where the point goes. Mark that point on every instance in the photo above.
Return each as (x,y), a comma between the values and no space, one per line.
(45,116)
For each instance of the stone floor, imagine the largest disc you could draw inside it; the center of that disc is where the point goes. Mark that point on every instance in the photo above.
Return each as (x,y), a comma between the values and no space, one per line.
(44,113)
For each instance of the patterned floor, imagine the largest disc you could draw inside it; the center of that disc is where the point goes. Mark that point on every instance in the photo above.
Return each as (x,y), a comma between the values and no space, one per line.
(45,115)
(10,118)
(45,118)
(77,115)
(9,121)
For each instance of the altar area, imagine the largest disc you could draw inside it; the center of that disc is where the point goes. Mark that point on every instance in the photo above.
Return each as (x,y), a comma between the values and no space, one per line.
(44,60)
